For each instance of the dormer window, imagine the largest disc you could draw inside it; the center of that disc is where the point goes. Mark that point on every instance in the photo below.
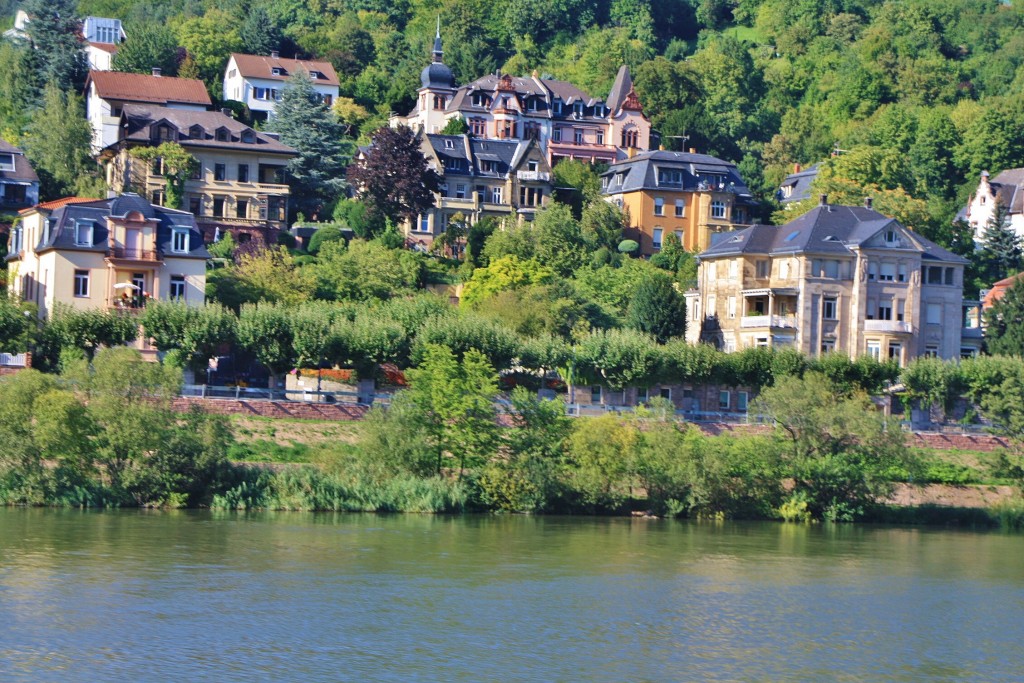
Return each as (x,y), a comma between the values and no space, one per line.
(180,241)
(6,162)
(277,71)
(558,106)
(577,108)
(83,233)
(223,135)
(531,166)
(248,136)
(165,133)
(486,166)
(313,75)
(449,144)
(531,104)
(197,132)
(480,100)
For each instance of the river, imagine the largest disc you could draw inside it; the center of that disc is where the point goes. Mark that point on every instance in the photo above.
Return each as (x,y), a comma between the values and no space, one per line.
(136,595)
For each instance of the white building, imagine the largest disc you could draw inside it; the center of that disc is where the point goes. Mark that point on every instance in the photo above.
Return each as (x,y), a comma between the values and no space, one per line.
(1007,189)
(102,38)
(258,81)
(108,91)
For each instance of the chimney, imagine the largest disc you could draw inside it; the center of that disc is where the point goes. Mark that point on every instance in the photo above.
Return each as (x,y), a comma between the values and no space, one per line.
(227,112)
(157,71)
(822,200)
(274,54)
(693,150)
(661,148)
(867,202)
(796,168)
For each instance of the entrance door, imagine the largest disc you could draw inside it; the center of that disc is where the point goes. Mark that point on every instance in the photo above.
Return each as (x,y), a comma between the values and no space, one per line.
(133,243)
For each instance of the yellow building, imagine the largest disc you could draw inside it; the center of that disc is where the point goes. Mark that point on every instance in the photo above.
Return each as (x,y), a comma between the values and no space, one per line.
(240,185)
(685,194)
(843,279)
(105,254)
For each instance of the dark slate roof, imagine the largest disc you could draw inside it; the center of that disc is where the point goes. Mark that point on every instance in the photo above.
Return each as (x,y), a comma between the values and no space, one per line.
(23,171)
(139,118)
(64,218)
(823,230)
(543,90)
(801,184)
(641,173)
(468,152)
(1008,188)
(620,88)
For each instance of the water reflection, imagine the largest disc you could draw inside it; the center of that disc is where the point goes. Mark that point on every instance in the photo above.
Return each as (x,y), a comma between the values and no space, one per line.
(112,596)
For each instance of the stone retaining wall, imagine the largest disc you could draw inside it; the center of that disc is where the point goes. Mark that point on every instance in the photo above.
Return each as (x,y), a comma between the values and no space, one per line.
(293,409)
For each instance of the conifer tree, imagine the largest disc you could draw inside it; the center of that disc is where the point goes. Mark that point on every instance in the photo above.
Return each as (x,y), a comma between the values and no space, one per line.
(1004,323)
(305,122)
(1000,253)
(260,34)
(57,142)
(152,45)
(53,30)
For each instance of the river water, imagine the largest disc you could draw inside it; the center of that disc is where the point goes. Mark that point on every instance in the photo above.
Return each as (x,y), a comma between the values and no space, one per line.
(119,596)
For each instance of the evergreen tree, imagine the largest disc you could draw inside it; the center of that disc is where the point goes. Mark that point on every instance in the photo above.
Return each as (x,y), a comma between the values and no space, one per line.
(54,32)
(657,308)
(1004,323)
(151,45)
(57,142)
(260,34)
(1000,253)
(317,175)
(394,178)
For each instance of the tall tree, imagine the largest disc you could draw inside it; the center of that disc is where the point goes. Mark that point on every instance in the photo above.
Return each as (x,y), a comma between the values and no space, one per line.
(260,34)
(393,177)
(54,32)
(305,122)
(58,143)
(657,308)
(1004,323)
(151,45)
(1000,253)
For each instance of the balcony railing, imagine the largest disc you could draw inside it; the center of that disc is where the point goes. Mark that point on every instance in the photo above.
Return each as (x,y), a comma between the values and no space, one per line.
(972,333)
(133,254)
(537,176)
(779,321)
(895,326)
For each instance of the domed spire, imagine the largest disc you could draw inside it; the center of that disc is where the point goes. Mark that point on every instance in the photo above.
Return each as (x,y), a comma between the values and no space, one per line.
(437,74)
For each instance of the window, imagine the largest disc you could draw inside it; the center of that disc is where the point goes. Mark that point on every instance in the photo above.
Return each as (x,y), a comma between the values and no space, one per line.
(891,238)
(220,172)
(680,208)
(723,400)
(712,271)
(556,135)
(179,240)
(83,234)
(718,209)
(932,275)
(762,268)
(276,71)
(243,173)
(679,236)
(828,346)
(165,133)
(222,135)
(6,162)
(888,272)
(577,136)
(830,308)
(157,198)
(901,307)
(178,287)
(968,352)
(659,206)
(901,275)
(761,342)
(195,205)
(832,269)
(480,100)
(885,310)
(496,195)
(157,167)
(577,108)
(218,207)
(531,104)
(741,401)
(734,269)
(949,276)
(595,393)
(558,106)
(695,310)
(460,191)
(487,166)
(82,283)
(933,314)
(248,137)
(423,225)
(656,238)
(600,138)
(630,138)
(477,127)
(895,351)
(198,172)
(931,351)
(641,395)
(732,307)
(260,93)
(242,208)
(875,349)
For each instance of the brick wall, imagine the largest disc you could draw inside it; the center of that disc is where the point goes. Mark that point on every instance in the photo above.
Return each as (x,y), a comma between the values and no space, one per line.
(293,409)
(959,442)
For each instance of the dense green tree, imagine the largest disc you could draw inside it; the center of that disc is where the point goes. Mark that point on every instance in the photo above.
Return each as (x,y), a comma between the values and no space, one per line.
(305,122)
(151,46)
(210,39)
(195,333)
(259,33)
(657,308)
(1004,323)
(15,325)
(504,274)
(265,330)
(88,330)
(58,142)
(54,33)
(1000,253)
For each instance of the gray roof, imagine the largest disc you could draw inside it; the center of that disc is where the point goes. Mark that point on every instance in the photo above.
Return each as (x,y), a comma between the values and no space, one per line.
(23,171)
(824,230)
(544,92)
(1008,188)
(641,173)
(63,221)
(467,152)
(140,117)
(620,88)
(800,182)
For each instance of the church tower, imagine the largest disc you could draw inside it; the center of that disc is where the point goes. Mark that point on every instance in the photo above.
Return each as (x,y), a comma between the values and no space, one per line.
(437,87)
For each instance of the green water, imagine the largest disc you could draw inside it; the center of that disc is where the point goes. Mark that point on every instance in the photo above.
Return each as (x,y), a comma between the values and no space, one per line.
(122,596)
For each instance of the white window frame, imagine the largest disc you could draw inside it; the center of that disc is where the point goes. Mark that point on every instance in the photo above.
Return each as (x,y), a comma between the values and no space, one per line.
(656,237)
(7,165)
(81,284)
(177,288)
(659,206)
(827,303)
(680,208)
(933,314)
(718,209)
(724,404)
(88,237)
(180,241)
(875,349)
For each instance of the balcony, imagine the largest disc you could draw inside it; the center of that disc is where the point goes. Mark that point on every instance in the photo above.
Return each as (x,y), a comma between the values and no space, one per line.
(890,326)
(766,321)
(534,176)
(124,254)
(971,333)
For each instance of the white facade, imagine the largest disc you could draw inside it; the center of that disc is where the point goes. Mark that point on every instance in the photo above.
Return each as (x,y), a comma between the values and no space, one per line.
(982,206)
(261,94)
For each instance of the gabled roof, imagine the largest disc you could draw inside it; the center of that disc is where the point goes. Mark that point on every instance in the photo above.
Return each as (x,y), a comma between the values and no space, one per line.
(56,204)
(641,172)
(129,87)
(824,230)
(545,90)
(260,66)
(800,182)
(23,171)
(620,88)
(1008,187)
(468,153)
(137,120)
(63,220)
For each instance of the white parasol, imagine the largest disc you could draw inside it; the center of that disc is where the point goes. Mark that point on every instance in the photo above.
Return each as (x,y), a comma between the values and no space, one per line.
(125,285)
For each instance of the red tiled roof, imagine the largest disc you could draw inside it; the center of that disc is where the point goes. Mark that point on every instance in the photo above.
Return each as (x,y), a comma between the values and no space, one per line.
(57,203)
(998,290)
(117,85)
(106,47)
(259,66)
